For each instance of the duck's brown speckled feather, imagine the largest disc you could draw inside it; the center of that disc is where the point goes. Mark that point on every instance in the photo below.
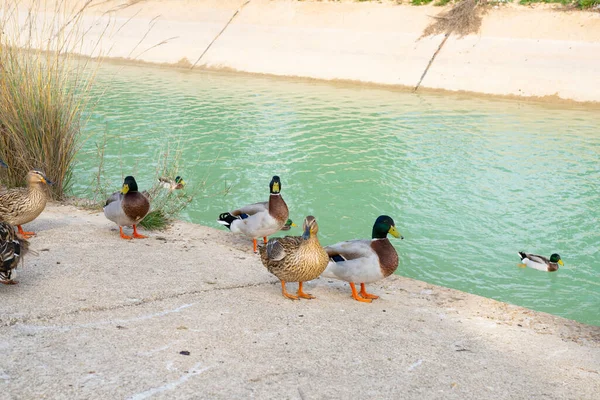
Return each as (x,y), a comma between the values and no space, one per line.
(19,206)
(12,248)
(303,260)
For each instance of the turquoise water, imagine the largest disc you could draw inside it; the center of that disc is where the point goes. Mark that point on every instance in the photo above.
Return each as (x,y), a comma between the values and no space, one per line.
(468,181)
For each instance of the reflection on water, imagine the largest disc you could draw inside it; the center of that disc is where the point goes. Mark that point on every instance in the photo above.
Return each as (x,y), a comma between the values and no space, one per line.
(469,181)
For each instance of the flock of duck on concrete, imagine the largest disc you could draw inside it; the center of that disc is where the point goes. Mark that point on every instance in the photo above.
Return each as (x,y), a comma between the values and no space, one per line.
(289,258)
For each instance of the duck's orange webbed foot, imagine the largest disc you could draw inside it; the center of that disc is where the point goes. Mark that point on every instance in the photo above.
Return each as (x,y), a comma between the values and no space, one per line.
(9,282)
(137,235)
(123,235)
(254,244)
(285,293)
(365,295)
(25,234)
(355,295)
(302,294)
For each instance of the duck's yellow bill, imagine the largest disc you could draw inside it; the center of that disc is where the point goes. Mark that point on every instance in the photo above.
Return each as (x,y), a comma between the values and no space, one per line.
(125,189)
(561,263)
(394,232)
(293,224)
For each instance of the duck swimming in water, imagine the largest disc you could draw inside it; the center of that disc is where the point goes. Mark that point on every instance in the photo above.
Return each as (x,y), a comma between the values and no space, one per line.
(541,263)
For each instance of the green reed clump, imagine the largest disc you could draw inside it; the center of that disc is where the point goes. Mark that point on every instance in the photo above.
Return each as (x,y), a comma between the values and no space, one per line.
(42,95)
(165,204)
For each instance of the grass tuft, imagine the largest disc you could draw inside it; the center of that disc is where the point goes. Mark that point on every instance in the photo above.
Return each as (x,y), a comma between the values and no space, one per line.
(42,92)
(156,220)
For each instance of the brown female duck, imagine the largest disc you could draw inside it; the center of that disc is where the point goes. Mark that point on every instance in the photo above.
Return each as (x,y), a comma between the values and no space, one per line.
(19,206)
(256,220)
(364,260)
(296,258)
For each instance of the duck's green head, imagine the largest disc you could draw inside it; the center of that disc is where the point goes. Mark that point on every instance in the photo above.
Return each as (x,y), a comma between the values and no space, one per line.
(288,224)
(129,185)
(3,164)
(555,258)
(275,185)
(310,227)
(179,180)
(384,225)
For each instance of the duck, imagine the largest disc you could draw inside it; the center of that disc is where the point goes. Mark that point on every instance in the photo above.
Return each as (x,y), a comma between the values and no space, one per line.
(260,221)
(296,258)
(13,247)
(363,260)
(541,263)
(170,183)
(127,207)
(254,208)
(19,206)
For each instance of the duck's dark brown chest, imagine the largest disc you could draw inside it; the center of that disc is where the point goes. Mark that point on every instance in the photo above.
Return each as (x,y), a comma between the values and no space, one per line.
(135,205)
(278,209)
(388,258)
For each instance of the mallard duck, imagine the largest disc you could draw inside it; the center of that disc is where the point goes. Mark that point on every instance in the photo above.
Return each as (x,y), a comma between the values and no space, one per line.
(127,207)
(364,260)
(169,183)
(260,221)
(19,206)
(296,258)
(540,262)
(252,209)
(12,248)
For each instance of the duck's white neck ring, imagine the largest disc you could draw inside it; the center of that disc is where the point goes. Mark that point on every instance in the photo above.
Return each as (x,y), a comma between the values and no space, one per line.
(275,194)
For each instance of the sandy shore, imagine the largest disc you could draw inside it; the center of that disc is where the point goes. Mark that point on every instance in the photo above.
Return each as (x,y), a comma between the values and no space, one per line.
(192,313)
(520,52)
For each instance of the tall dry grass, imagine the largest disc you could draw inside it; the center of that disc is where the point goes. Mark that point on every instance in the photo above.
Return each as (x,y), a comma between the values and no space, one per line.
(42,89)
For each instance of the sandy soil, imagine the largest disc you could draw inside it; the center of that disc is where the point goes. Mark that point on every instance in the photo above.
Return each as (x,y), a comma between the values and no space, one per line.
(192,313)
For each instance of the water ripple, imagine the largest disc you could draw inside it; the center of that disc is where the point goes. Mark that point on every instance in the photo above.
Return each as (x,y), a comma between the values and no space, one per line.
(469,182)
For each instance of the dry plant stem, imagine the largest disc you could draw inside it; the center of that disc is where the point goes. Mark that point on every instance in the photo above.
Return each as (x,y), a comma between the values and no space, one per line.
(43,90)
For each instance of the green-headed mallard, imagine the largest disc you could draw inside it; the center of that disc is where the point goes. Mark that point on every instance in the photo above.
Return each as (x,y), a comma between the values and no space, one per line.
(540,262)
(12,248)
(127,207)
(170,183)
(260,222)
(364,260)
(252,209)
(296,258)
(19,206)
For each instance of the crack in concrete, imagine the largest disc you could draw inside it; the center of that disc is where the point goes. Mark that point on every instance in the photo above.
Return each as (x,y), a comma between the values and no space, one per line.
(431,61)
(10,321)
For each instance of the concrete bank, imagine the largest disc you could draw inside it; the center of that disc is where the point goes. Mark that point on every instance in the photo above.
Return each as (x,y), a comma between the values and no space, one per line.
(519,51)
(192,313)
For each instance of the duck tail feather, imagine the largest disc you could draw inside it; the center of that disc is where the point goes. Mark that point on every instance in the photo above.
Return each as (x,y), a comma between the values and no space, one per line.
(226,219)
